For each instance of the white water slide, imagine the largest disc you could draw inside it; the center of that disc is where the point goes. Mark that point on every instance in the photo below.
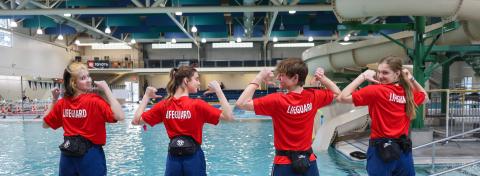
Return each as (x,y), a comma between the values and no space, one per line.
(335,57)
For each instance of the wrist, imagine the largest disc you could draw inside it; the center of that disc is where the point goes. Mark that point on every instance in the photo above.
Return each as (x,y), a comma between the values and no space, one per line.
(255,84)
(362,76)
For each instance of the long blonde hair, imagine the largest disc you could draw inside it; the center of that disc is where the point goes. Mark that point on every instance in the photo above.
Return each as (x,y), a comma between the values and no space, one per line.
(395,63)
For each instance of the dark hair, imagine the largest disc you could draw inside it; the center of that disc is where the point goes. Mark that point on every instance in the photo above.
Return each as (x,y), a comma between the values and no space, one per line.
(69,77)
(292,66)
(176,78)
(395,63)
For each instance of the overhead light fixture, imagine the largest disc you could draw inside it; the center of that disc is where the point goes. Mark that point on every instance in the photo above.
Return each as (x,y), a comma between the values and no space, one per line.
(233,45)
(310,39)
(67,14)
(345,43)
(13,23)
(275,39)
(293,45)
(178,13)
(101,46)
(133,41)
(174,40)
(194,29)
(171,45)
(292,11)
(39,31)
(77,42)
(239,39)
(204,40)
(107,30)
(60,37)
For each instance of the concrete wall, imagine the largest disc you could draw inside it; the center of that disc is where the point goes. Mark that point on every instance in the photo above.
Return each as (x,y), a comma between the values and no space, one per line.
(30,58)
(459,70)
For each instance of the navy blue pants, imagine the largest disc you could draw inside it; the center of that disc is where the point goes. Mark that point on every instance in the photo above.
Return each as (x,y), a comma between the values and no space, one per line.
(186,165)
(92,163)
(400,167)
(286,170)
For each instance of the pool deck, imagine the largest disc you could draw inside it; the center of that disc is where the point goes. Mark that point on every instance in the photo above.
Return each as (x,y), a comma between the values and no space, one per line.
(448,153)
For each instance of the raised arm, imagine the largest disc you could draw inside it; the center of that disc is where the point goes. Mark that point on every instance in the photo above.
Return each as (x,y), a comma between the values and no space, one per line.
(320,76)
(245,101)
(149,93)
(112,101)
(346,94)
(55,95)
(414,84)
(227,113)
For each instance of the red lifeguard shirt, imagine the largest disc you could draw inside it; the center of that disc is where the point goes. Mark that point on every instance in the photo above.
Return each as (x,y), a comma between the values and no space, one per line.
(182,116)
(83,115)
(386,106)
(292,117)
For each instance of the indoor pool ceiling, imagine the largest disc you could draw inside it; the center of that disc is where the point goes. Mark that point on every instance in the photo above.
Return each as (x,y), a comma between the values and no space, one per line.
(150,21)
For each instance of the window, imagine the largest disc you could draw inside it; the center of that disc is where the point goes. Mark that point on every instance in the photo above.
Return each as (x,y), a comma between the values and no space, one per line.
(467,82)
(5,36)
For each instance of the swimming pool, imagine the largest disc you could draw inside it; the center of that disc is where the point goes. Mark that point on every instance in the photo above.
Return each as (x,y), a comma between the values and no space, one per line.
(231,148)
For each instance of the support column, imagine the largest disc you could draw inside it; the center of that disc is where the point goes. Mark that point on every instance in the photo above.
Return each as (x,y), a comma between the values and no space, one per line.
(445,85)
(419,65)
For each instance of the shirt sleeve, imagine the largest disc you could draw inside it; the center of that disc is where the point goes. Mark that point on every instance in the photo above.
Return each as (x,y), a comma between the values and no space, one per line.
(105,110)
(364,96)
(211,114)
(155,115)
(265,105)
(54,117)
(418,97)
(323,97)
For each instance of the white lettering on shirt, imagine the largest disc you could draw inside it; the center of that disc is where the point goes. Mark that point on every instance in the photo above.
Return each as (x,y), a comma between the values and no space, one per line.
(299,109)
(178,115)
(74,113)
(396,98)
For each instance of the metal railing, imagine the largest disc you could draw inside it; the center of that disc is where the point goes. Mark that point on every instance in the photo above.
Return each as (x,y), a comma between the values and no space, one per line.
(460,113)
(433,143)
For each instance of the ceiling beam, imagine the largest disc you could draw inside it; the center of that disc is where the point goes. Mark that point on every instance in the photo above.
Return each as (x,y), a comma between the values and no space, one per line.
(299,39)
(158,3)
(3,6)
(270,28)
(77,22)
(156,10)
(23,4)
(137,3)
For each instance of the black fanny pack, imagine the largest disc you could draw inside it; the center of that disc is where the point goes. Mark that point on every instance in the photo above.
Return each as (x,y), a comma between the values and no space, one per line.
(182,146)
(75,146)
(300,159)
(391,149)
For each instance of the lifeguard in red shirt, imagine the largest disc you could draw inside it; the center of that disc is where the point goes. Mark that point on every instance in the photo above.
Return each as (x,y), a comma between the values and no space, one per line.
(82,115)
(391,104)
(292,114)
(183,118)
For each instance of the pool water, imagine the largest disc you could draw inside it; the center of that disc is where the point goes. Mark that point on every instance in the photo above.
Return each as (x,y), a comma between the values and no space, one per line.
(231,148)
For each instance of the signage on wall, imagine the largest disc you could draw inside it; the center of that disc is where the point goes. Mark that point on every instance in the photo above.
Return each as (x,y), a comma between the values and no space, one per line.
(101,64)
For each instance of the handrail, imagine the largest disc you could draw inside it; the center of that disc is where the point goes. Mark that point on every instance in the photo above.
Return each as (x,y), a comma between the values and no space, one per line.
(446,139)
(456,168)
